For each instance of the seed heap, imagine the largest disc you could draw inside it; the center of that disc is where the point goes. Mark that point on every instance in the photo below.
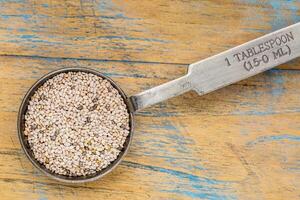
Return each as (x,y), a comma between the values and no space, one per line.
(76,123)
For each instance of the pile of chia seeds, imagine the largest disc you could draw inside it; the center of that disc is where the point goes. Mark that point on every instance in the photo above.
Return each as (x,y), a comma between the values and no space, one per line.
(76,123)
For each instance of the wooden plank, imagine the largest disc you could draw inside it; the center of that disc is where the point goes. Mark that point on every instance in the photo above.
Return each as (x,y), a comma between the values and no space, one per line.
(145,31)
(241,142)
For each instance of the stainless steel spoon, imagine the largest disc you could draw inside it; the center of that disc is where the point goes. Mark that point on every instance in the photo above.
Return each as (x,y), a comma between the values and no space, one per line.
(204,76)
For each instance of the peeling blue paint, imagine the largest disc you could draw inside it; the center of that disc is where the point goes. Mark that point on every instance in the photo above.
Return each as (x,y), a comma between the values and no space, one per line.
(106,5)
(256,30)
(21,29)
(56,59)
(273,138)
(79,38)
(24,16)
(132,38)
(190,185)
(277,82)
(110,74)
(276,85)
(155,114)
(170,145)
(265,112)
(40,187)
(4,16)
(166,125)
(12,1)
(36,39)
(202,195)
(45,5)
(28,36)
(118,16)
(278,18)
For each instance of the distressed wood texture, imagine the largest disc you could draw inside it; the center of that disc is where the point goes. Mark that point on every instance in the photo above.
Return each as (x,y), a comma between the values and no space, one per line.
(241,142)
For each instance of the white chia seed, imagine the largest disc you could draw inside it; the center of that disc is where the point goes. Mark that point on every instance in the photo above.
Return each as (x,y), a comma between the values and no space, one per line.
(76,123)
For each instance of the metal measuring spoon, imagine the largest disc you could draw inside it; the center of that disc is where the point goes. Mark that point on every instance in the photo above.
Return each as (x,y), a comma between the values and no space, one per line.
(204,76)
(229,67)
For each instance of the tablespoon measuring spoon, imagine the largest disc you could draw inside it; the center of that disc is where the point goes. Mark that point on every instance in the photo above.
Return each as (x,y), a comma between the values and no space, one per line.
(204,76)
(229,67)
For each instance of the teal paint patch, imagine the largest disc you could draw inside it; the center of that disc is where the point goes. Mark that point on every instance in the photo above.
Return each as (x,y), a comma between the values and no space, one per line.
(274,138)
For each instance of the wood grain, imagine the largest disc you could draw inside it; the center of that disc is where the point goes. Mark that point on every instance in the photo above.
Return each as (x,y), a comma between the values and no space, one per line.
(146,31)
(240,142)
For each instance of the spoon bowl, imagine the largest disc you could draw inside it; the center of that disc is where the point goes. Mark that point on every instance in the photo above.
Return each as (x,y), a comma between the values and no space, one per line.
(25,145)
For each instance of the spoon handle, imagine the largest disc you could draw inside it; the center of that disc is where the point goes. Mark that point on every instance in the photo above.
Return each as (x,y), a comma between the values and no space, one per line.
(228,67)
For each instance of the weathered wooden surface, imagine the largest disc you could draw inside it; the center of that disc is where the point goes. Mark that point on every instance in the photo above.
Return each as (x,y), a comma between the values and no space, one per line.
(241,142)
